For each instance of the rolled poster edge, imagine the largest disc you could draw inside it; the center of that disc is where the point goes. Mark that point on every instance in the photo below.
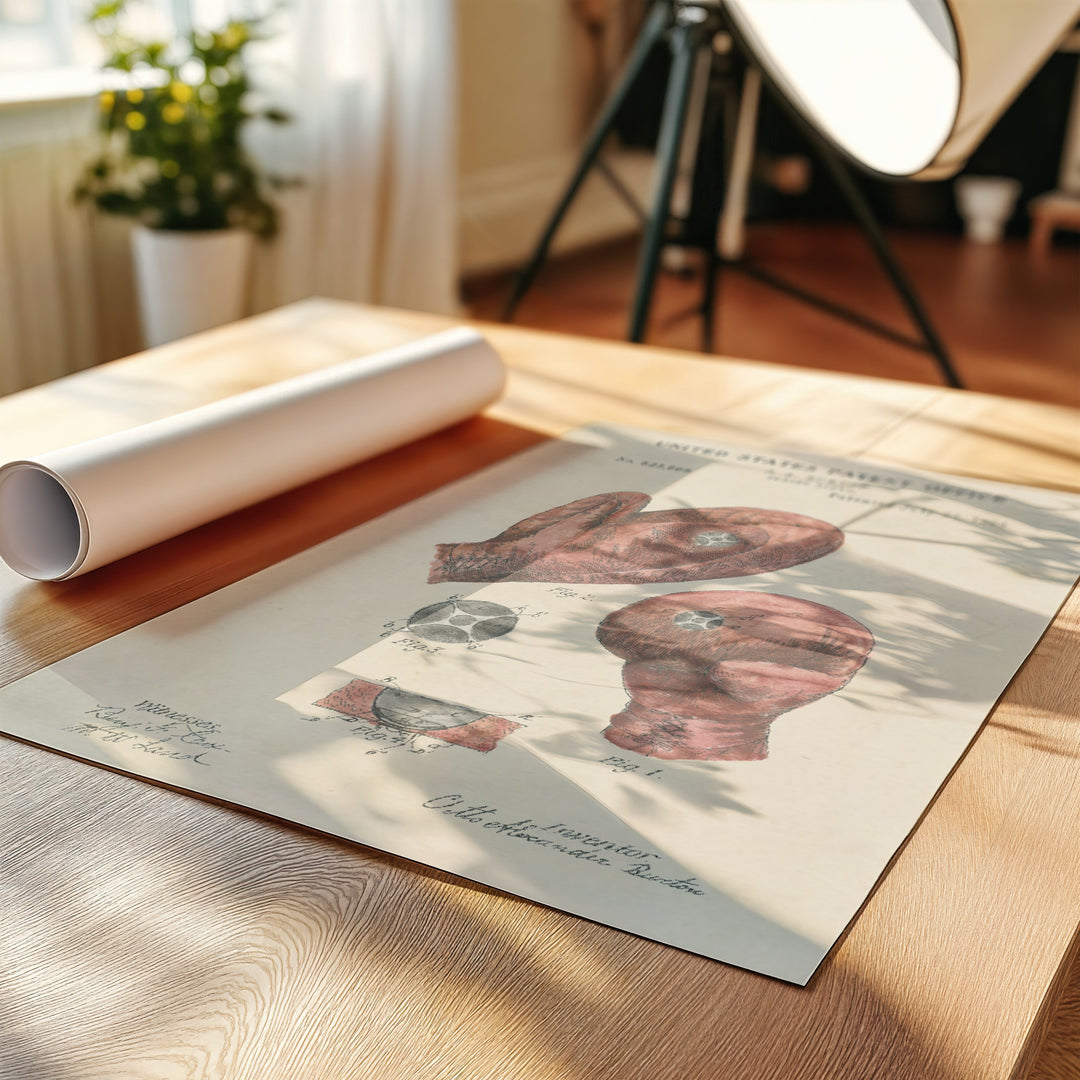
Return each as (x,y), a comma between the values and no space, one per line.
(68,511)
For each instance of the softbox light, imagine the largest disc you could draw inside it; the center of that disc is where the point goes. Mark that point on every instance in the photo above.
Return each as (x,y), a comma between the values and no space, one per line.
(906,88)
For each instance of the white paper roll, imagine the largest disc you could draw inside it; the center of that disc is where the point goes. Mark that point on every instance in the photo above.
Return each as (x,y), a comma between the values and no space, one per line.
(69,511)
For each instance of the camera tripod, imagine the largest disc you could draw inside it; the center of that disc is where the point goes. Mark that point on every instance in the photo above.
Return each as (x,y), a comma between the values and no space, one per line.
(690,27)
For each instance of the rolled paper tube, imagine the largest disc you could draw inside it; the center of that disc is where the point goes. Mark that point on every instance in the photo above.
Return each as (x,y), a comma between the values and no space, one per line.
(72,510)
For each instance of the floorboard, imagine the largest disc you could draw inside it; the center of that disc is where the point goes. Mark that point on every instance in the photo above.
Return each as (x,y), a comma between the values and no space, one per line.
(1010,319)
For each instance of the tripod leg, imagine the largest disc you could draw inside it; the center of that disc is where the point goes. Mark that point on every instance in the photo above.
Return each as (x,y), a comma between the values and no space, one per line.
(709,301)
(686,38)
(652,31)
(682,194)
(869,223)
(731,233)
(739,119)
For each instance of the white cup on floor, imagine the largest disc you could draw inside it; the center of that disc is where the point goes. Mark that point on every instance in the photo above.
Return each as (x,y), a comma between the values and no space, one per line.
(986,203)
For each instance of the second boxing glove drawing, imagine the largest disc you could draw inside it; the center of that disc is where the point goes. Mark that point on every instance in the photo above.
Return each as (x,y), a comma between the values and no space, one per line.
(708,672)
(610,540)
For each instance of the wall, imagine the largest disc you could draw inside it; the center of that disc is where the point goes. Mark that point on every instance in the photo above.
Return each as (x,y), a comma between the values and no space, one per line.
(530,80)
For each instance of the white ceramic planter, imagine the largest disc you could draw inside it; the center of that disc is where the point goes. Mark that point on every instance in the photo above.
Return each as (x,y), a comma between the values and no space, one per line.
(189,281)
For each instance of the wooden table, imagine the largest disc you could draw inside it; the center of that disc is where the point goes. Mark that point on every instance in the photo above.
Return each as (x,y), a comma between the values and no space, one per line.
(149,934)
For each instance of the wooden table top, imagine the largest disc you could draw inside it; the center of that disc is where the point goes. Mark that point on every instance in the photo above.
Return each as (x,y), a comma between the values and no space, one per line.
(151,934)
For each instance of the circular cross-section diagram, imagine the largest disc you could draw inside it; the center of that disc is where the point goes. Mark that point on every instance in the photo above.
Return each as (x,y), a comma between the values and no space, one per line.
(458,622)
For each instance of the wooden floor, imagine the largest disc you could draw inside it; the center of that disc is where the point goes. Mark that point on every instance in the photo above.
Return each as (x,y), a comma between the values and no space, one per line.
(1010,320)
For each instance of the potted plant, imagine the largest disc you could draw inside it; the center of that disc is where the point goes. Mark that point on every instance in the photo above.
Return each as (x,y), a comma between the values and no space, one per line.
(172,158)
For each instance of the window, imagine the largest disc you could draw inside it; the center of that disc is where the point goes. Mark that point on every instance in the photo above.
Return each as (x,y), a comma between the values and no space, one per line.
(47,51)
(36,34)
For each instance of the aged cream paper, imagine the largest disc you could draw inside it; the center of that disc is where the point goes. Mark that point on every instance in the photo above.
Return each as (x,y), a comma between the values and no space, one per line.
(698,693)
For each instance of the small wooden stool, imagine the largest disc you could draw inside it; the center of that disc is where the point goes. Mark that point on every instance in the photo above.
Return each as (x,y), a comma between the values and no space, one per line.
(1049,212)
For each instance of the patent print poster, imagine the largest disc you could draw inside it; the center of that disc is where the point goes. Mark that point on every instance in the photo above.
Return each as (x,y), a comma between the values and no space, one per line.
(697,693)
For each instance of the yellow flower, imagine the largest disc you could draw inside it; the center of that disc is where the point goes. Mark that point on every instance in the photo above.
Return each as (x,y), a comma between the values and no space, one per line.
(106,100)
(170,168)
(135,96)
(135,121)
(180,91)
(172,113)
(233,36)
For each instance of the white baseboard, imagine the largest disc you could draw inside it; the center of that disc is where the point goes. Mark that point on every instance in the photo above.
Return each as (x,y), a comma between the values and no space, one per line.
(503,209)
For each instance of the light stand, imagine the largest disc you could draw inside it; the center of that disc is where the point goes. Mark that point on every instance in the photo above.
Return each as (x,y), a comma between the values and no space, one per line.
(690,27)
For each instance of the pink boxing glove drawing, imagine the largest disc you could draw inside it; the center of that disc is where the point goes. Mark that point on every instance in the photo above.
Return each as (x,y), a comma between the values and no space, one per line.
(609,540)
(708,672)
(416,714)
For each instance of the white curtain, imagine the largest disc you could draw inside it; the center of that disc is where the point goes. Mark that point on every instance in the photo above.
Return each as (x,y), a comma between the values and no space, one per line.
(49,323)
(372,88)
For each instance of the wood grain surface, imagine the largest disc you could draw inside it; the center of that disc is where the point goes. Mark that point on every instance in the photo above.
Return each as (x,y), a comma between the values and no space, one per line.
(149,934)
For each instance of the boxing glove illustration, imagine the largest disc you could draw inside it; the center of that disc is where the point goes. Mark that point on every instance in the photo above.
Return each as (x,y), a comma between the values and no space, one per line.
(708,672)
(417,714)
(610,539)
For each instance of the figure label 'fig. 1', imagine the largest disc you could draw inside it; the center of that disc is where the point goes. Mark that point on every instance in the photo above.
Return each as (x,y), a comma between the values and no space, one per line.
(708,672)
(609,539)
